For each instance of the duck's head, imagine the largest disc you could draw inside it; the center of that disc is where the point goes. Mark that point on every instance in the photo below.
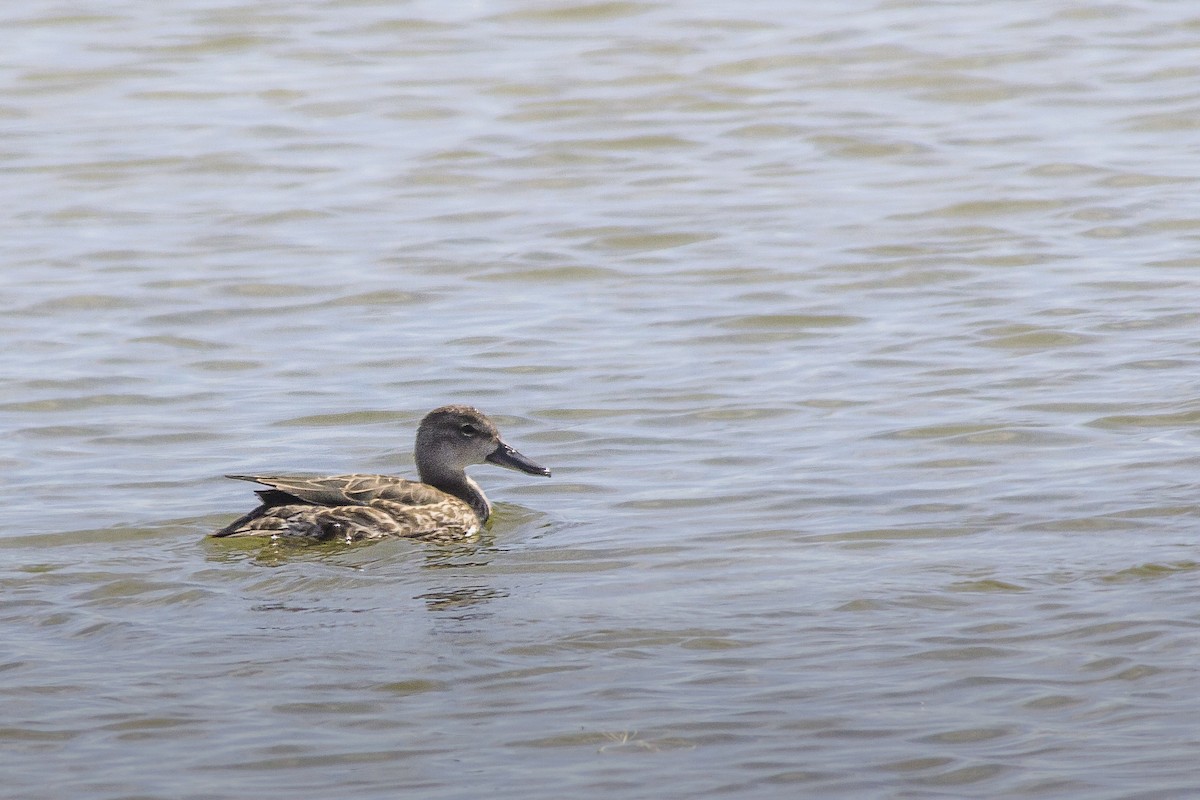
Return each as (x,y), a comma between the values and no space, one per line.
(452,438)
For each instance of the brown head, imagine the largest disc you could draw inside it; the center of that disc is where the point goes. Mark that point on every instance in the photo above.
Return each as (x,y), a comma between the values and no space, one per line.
(452,438)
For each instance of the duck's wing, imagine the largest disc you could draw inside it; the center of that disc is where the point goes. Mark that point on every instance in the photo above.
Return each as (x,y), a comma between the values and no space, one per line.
(342,490)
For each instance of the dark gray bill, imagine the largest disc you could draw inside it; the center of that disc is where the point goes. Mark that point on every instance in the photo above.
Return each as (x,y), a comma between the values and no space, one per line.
(505,456)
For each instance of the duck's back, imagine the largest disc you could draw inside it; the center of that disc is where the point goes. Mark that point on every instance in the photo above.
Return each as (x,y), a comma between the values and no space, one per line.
(352,507)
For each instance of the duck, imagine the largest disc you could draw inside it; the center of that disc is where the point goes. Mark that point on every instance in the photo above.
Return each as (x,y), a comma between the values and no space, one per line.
(444,505)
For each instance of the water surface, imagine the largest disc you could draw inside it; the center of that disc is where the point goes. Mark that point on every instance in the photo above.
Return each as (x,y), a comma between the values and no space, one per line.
(862,341)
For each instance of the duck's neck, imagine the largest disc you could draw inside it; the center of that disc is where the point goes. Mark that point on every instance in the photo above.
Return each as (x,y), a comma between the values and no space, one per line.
(461,486)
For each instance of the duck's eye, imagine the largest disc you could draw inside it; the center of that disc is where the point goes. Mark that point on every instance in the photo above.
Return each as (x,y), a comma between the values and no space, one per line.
(467,429)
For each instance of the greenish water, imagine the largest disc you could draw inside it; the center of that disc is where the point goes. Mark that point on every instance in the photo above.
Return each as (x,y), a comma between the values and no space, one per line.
(862,343)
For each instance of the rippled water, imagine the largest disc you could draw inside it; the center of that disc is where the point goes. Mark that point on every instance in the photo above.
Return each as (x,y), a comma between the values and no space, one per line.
(862,340)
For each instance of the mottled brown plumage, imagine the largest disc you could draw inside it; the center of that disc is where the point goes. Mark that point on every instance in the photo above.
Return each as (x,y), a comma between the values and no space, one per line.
(445,505)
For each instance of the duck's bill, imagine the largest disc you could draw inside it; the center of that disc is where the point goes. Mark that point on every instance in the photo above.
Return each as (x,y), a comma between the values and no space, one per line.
(505,456)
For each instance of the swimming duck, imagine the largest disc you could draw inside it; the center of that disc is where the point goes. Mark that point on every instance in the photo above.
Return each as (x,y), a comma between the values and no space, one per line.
(445,505)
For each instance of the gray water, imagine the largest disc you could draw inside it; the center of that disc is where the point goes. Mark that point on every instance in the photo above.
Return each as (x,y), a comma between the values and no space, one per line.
(862,339)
